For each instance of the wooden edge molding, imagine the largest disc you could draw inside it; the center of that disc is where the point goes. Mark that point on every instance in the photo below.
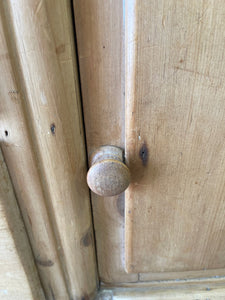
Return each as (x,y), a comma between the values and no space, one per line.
(100,41)
(178,276)
(43,144)
(130,134)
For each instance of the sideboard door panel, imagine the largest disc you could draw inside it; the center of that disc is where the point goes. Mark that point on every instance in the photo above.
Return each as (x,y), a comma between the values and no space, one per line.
(175,135)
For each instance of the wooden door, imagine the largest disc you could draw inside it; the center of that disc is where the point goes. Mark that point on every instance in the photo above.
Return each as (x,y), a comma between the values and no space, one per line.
(152,79)
(152,75)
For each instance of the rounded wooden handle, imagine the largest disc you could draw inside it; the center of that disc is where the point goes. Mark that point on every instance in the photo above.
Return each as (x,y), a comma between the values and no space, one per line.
(108,174)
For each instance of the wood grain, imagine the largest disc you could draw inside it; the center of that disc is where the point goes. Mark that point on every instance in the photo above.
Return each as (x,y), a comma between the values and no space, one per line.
(175,70)
(179,276)
(17,266)
(182,276)
(213,290)
(22,165)
(44,147)
(99,28)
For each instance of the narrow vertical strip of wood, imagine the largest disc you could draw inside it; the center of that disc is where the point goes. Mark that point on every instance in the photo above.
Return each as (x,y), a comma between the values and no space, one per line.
(39,36)
(23,168)
(99,28)
(17,266)
(130,111)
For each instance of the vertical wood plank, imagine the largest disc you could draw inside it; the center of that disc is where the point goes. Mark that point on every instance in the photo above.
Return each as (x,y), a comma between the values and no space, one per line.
(21,161)
(46,142)
(17,266)
(99,28)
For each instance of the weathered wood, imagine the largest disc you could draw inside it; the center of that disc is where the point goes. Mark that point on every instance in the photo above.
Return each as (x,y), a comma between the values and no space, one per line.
(44,144)
(17,266)
(213,290)
(99,28)
(175,147)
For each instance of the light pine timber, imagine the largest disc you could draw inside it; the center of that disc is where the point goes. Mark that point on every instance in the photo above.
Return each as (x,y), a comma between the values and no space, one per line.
(23,168)
(213,290)
(44,148)
(188,275)
(99,29)
(175,147)
(17,266)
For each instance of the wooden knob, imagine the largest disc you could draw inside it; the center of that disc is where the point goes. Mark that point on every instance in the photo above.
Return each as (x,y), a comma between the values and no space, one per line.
(108,174)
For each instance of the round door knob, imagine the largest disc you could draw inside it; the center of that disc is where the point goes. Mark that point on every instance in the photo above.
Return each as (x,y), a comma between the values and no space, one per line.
(108,174)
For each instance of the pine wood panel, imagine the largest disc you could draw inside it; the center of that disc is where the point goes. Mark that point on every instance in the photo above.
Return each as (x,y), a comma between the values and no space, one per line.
(175,71)
(42,140)
(17,266)
(99,28)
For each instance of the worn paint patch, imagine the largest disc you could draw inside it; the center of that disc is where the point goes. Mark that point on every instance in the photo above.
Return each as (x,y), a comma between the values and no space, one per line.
(143,154)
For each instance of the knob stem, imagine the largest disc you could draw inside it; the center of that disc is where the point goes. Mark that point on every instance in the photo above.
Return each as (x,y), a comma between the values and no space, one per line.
(107,152)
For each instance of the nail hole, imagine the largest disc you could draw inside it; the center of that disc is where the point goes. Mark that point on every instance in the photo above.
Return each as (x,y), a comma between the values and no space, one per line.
(143,154)
(52,128)
(6,133)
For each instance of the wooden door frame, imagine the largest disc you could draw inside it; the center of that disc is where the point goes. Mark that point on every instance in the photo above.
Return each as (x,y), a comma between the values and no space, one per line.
(42,140)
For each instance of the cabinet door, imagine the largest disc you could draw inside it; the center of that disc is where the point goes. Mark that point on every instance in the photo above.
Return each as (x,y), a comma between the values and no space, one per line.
(152,78)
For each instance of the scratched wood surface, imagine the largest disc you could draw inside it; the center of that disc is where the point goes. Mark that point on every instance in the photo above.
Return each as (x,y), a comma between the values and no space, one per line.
(175,146)
(43,144)
(99,29)
(17,266)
